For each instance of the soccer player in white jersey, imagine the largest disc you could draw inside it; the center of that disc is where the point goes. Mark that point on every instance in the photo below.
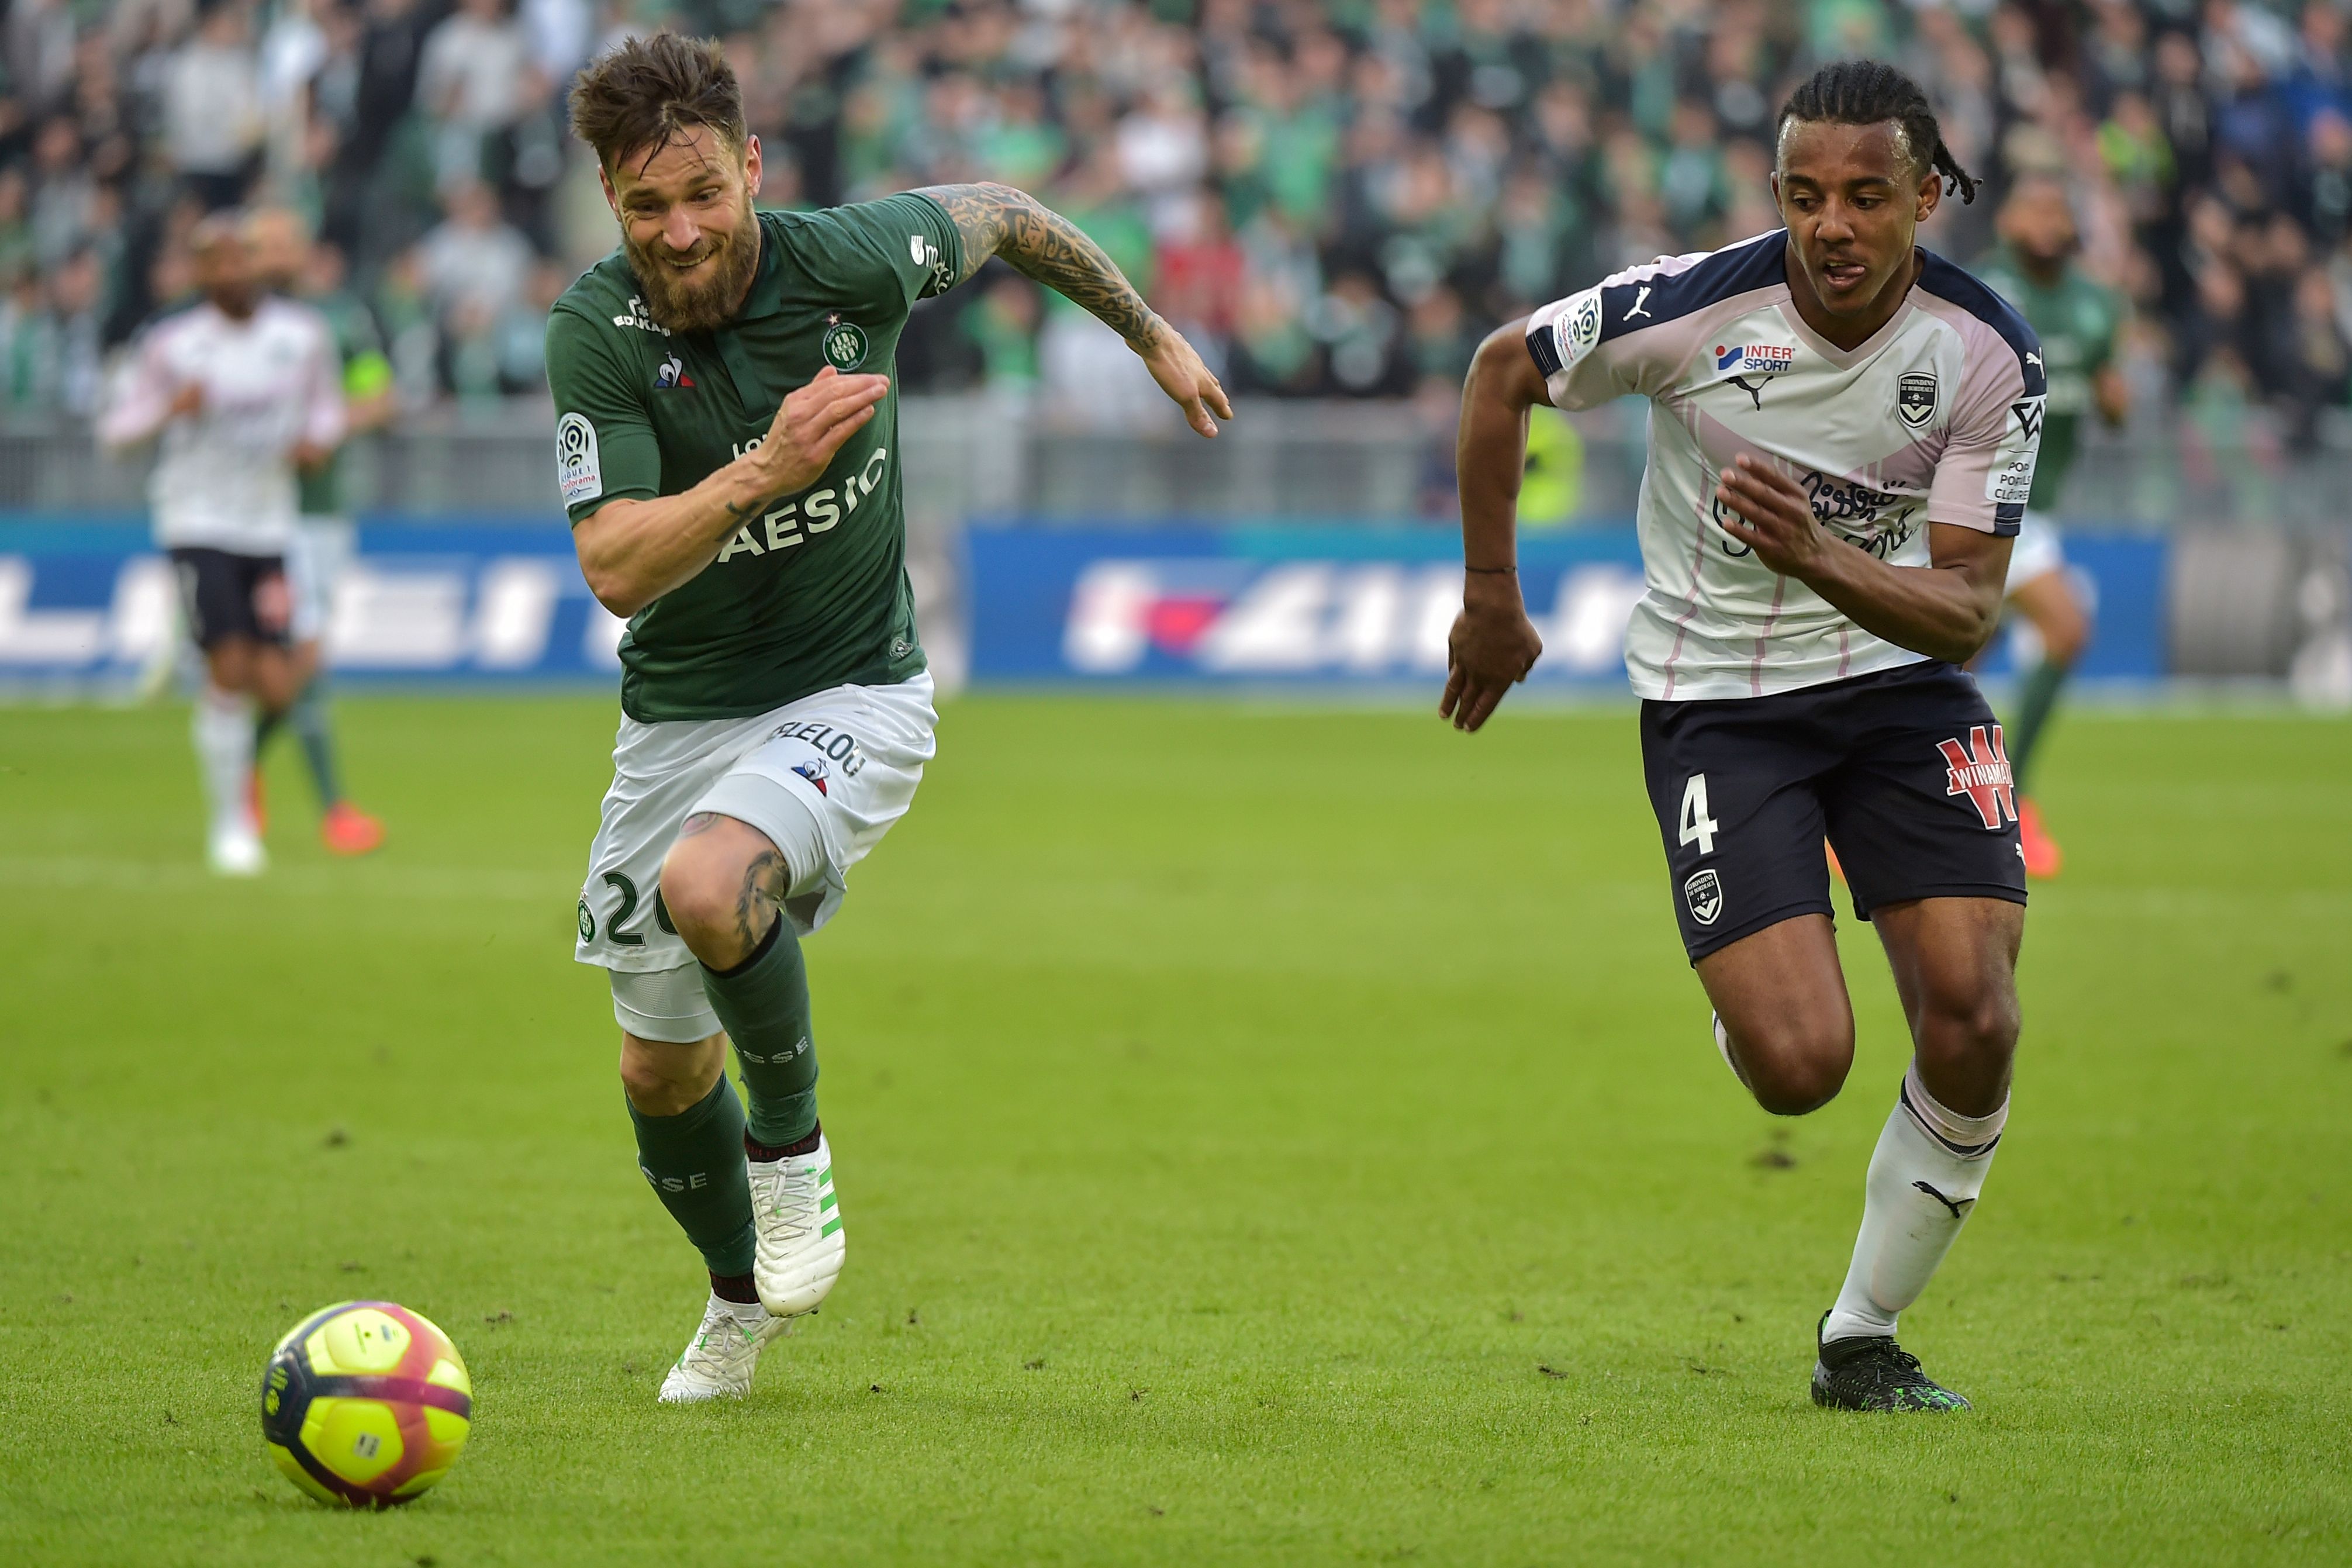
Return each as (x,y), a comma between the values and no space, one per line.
(1842,434)
(243,390)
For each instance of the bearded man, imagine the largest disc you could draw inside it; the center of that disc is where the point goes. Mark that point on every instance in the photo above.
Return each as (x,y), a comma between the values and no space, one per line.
(726,444)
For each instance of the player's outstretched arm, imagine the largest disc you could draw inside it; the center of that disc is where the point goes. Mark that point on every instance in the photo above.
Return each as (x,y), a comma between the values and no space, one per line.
(995,219)
(634,551)
(1493,645)
(1948,610)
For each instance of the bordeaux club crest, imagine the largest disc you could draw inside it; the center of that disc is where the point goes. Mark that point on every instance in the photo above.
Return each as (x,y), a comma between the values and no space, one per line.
(1704,892)
(1915,398)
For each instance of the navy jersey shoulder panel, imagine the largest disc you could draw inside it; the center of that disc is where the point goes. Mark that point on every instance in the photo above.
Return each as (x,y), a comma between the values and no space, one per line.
(1759,263)
(1543,346)
(1972,294)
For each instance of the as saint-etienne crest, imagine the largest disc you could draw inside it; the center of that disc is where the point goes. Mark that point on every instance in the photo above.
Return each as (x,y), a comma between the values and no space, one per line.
(843,342)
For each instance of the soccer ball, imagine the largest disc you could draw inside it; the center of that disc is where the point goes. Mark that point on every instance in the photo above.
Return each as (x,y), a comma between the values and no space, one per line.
(365,1403)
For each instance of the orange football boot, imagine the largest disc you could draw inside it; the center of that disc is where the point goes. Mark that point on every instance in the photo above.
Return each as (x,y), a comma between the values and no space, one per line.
(2043,856)
(348,830)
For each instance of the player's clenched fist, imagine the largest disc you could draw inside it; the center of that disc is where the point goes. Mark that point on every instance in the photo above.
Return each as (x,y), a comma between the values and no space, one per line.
(1771,513)
(809,428)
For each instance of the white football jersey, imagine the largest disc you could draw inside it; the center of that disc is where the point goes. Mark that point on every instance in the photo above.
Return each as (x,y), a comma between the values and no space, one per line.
(1937,418)
(225,476)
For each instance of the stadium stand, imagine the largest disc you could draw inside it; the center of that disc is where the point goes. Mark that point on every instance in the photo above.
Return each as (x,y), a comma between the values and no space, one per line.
(1338,197)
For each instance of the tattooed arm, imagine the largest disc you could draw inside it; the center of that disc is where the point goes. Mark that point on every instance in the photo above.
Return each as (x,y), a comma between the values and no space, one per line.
(998,220)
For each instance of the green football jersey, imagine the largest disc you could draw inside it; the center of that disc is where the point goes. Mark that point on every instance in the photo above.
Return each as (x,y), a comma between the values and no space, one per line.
(812,593)
(2076,320)
(366,371)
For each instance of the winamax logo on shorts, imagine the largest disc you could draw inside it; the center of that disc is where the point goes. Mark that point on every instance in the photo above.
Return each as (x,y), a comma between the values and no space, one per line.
(1983,773)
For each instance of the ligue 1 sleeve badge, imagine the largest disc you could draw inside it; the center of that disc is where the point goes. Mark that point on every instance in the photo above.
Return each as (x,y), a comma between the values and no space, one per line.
(843,342)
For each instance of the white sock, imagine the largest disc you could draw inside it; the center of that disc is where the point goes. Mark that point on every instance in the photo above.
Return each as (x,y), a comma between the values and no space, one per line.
(1925,1175)
(222,727)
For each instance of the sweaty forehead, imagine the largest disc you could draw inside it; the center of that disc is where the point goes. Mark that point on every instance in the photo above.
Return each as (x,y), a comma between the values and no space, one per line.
(1830,153)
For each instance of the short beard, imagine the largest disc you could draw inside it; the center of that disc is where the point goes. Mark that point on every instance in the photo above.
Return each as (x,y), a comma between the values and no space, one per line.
(710,302)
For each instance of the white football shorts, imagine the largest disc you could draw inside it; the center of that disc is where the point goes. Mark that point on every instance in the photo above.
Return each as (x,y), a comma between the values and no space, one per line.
(824,778)
(2040,550)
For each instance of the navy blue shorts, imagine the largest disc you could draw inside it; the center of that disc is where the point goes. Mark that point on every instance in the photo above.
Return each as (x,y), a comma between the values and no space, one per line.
(224,595)
(1903,772)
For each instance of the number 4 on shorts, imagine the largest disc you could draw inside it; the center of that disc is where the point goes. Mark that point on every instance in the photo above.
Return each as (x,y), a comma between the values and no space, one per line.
(1697,825)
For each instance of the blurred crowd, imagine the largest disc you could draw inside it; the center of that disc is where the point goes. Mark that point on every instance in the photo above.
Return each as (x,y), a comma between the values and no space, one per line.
(1336,199)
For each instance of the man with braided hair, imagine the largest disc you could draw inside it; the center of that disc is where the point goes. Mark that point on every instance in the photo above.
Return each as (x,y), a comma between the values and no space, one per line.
(1843,436)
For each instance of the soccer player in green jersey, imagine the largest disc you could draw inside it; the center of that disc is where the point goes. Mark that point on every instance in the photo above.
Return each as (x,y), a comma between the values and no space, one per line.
(726,443)
(2077,320)
(309,274)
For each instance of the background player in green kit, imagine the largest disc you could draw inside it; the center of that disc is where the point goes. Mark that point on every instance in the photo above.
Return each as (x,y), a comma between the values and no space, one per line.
(295,266)
(727,444)
(2077,320)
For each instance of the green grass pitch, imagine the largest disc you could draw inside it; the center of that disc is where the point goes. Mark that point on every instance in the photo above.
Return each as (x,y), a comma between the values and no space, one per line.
(1265,1135)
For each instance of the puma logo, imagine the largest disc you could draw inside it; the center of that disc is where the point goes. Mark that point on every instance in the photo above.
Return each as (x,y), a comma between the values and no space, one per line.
(1754,389)
(1960,1210)
(1640,304)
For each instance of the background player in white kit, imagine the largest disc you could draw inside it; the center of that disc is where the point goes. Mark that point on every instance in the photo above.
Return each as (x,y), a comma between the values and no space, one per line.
(1842,440)
(242,390)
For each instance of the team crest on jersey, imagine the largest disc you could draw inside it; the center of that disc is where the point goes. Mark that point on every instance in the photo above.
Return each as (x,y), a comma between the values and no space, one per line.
(845,342)
(1703,890)
(1915,398)
(815,771)
(672,376)
(1980,771)
(578,470)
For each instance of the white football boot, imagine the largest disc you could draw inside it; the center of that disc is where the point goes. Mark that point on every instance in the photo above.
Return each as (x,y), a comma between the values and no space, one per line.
(724,1353)
(233,849)
(799,1225)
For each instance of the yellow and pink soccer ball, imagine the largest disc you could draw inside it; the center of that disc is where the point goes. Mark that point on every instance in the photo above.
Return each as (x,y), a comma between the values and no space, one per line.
(365,1405)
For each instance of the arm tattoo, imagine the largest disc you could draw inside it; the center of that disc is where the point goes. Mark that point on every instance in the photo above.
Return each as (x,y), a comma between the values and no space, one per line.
(993,219)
